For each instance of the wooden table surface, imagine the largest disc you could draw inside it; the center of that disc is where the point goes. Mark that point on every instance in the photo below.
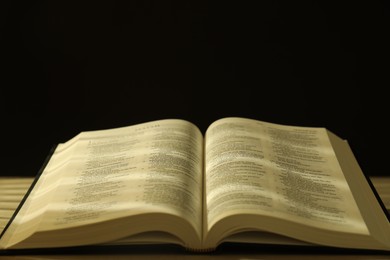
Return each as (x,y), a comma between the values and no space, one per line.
(10,198)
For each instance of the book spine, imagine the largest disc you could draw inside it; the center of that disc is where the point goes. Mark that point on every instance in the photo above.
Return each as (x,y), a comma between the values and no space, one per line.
(200,250)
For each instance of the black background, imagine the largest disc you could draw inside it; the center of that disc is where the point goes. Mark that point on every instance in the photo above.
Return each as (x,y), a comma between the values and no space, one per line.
(71,66)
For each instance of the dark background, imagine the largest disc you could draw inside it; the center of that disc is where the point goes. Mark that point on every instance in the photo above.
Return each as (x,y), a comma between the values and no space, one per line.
(71,66)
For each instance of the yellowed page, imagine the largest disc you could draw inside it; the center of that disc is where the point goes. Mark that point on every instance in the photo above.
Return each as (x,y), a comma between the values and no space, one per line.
(283,172)
(154,167)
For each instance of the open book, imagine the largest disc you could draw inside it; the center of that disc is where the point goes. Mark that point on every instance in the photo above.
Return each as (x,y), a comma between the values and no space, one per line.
(245,181)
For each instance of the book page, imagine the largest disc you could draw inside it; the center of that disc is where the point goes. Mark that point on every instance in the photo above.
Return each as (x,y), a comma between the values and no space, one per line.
(284,172)
(154,167)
